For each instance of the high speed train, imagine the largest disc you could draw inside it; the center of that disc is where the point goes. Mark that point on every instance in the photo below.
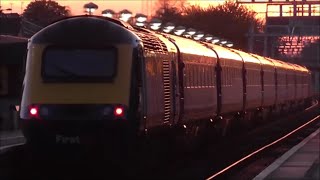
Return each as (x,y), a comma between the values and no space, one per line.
(94,79)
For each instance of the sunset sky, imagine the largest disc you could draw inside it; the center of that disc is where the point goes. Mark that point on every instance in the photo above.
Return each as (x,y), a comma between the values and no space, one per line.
(136,6)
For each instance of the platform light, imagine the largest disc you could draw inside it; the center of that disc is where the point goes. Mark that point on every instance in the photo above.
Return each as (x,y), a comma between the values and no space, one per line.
(215,40)
(140,24)
(90,7)
(141,18)
(155,24)
(196,38)
(198,35)
(125,15)
(191,31)
(108,13)
(166,30)
(90,10)
(208,37)
(168,27)
(223,41)
(229,44)
(179,30)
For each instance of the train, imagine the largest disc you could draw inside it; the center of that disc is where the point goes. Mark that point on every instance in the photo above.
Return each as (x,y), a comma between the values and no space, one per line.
(92,79)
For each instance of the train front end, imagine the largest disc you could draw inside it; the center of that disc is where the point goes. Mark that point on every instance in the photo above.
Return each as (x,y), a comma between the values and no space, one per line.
(78,86)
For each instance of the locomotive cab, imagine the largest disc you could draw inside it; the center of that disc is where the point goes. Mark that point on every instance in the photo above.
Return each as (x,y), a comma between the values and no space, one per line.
(81,82)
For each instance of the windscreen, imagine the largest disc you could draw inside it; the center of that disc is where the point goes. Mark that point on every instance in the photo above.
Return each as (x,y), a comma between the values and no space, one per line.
(79,65)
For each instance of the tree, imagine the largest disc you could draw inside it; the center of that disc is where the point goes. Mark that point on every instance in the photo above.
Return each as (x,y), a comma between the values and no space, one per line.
(230,20)
(171,4)
(168,10)
(44,12)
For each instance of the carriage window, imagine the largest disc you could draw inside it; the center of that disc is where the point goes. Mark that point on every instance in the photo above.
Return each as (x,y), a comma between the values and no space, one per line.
(195,73)
(79,65)
(206,71)
(187,75)
(203,71)
(198,75)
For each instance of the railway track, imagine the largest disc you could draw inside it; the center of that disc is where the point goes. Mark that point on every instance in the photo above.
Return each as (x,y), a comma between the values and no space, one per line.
(287,141)
(233,158)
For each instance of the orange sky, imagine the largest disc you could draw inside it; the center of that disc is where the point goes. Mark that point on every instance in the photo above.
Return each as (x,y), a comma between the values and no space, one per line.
(136,6)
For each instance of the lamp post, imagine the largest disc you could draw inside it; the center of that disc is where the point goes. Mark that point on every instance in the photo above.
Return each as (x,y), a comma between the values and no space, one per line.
(108,13)
(125,15)
(90,7)
(223,42)
(229,44)
(208,37)
(168,27)
(140,19)
(215,40)
(190,32)
(155,24)
(179,30)
(198,35)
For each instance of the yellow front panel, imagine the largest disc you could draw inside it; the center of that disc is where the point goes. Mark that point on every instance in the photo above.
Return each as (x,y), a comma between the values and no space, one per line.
(77,93)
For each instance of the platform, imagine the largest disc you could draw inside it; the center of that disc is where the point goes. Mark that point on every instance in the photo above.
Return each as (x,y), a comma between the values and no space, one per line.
(300,162)
(10,138)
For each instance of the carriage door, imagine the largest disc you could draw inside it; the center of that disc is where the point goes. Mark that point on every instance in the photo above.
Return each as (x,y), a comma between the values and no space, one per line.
(175,88)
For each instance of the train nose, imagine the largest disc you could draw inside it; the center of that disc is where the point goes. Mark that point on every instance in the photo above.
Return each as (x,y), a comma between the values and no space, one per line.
(58,112)
(75,124)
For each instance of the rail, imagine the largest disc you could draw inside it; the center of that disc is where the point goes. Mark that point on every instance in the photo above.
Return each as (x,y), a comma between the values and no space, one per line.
(266,146)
